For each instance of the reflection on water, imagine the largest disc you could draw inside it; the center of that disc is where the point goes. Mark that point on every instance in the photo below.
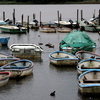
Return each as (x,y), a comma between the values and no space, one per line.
(63,68)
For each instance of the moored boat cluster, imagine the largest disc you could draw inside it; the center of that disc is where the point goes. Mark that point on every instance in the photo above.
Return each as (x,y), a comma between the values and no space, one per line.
(72,51)
(18,65)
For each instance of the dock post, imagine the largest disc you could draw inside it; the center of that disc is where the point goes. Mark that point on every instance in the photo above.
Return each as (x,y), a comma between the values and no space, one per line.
(77,19)
(28,23)
(3,16)
(81,15)
(22,19)
(40,19)
(33,16)
(14,16)
(99,17)
(58,18)
(94,14)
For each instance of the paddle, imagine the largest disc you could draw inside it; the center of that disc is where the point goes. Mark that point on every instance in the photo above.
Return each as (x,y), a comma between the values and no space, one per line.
(96,29)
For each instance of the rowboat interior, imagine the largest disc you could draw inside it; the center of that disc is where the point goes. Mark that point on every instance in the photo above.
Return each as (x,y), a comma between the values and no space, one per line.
(61,55)
(89,64)
(90,78)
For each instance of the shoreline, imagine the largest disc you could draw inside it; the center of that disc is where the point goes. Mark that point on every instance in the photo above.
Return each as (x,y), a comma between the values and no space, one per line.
(31,3)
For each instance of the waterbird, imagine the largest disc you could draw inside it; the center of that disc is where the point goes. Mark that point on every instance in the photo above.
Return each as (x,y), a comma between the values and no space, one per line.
(90,98)
(53,93)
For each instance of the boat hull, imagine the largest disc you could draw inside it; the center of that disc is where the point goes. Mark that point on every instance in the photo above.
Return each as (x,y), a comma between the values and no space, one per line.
(19,68)
(87,64)
(4,78)
(26,50)
(47,30)
(4,41)
(89,90)
(4,61)
(86,55)
(61,58)
(63,30)
(13,29)
(89,82)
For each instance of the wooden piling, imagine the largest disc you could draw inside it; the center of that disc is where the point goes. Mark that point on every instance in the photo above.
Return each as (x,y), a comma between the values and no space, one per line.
(28,23)
(34,16)
(13,16)
(58,18)
(94,14)
(81,15)
(3,16)
(40,19)
(22,17)
(77,19)
(99,17)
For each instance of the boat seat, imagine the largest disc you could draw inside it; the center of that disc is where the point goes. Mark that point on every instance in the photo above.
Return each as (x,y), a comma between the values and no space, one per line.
(92,81)
(18,67)
(67,57)
(83,67)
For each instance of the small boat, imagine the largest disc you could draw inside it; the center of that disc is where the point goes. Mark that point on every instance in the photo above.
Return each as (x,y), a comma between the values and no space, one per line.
(86,55)
(13,29)
(45,29)
(50,24)
(18,68)
(4,78)
(5,58)
(83,42)
(61,58)
(32,24)
(64,23)
(89,82)
(63,29)
(26,50)
(89,26)
(87,64)
(4,41)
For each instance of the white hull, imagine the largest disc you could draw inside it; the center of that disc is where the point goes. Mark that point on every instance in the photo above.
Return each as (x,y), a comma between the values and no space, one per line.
(87,64)
(4,78)
(89,82)
(18,68)
(20,73)
(26,50)
(47,30)
(86,55)
(61,58)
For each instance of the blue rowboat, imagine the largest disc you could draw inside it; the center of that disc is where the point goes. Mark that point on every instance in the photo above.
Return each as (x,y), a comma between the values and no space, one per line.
(61,58)
(89,82)
(81,55)
(87,64)
(4,40)
(6,58)
(18,68)
(4,78)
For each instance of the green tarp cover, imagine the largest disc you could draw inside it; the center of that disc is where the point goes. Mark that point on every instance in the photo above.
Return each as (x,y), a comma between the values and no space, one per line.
(78,40)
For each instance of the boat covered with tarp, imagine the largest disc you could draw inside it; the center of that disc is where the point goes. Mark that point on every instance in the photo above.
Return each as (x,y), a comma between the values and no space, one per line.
(77,41)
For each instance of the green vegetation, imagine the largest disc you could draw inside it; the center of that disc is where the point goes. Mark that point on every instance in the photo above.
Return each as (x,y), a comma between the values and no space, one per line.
(49,1)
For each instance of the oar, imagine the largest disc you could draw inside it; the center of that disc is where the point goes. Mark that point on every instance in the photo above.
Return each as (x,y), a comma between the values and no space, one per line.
(96,29)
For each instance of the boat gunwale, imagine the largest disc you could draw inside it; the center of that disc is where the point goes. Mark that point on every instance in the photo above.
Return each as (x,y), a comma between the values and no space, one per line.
(6,72)
(29,67)
(87,85)
(84,61)
(62,58)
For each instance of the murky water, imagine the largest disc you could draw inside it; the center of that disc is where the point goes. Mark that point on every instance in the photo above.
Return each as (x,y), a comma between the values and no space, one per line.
(46,78)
